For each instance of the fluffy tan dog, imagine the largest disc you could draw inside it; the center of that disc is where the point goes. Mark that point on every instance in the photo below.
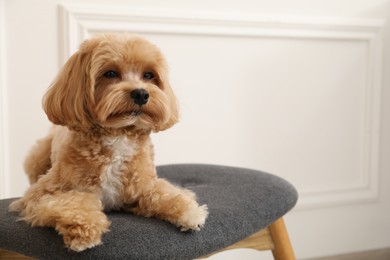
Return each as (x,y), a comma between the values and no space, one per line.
(110,95)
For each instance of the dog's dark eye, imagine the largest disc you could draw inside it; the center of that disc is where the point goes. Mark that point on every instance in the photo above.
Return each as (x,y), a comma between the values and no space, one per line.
(111,74)
(148,75)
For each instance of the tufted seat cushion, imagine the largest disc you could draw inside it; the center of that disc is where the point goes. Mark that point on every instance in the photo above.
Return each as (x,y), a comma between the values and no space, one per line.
(240,202)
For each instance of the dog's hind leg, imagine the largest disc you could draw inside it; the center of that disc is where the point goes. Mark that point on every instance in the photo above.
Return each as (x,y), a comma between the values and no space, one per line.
(38,161)
(77,216)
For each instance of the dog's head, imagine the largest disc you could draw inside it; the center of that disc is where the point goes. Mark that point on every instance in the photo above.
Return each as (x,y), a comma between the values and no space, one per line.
(113,81)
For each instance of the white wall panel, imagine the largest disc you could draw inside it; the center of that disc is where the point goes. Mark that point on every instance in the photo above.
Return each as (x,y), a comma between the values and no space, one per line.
(258,91)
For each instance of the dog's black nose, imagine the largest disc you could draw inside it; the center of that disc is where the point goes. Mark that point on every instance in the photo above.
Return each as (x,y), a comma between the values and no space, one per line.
(140,96)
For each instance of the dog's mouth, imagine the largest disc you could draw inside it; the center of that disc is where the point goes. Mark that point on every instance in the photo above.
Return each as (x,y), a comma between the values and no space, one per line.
(122,119)
(124,115)
(135,117)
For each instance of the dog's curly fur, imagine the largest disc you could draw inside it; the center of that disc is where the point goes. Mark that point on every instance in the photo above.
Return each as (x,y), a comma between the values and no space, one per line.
(110,95)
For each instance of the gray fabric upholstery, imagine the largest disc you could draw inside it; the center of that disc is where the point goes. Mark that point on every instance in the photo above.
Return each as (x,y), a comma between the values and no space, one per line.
(240,201)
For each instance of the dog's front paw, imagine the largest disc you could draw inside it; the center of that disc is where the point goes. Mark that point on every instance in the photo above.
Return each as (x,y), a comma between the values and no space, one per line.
(80,241)
(79,237)
(193,218)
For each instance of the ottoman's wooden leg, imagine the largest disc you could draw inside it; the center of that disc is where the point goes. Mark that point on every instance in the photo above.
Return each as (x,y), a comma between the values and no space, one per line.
(8,255)
(283,249)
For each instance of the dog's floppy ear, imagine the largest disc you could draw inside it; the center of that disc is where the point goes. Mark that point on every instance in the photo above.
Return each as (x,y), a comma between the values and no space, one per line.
(173,105)
(69,99)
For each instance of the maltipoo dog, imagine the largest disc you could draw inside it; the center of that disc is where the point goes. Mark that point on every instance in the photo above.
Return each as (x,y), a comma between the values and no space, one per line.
(108,98)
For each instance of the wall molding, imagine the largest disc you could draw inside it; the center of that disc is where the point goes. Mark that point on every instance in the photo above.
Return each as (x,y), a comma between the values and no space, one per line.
(79,21)
(4,151)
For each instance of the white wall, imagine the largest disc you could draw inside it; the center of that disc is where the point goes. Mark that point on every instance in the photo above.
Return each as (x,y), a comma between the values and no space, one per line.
(296,88)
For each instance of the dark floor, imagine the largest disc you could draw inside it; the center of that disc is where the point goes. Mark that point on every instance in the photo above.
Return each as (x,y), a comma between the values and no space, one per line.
(381,254)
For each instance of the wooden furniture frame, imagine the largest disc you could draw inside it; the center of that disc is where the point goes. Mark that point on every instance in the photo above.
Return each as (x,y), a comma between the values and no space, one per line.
(274,237)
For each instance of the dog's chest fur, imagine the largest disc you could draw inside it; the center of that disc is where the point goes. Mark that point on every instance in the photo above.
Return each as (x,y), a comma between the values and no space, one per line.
(123,149)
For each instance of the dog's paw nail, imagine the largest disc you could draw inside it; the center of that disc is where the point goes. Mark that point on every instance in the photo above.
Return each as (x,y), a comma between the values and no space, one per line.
(184,229)
(189,229)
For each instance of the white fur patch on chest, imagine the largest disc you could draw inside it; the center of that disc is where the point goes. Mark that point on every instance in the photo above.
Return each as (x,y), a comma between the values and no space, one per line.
(112,187)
